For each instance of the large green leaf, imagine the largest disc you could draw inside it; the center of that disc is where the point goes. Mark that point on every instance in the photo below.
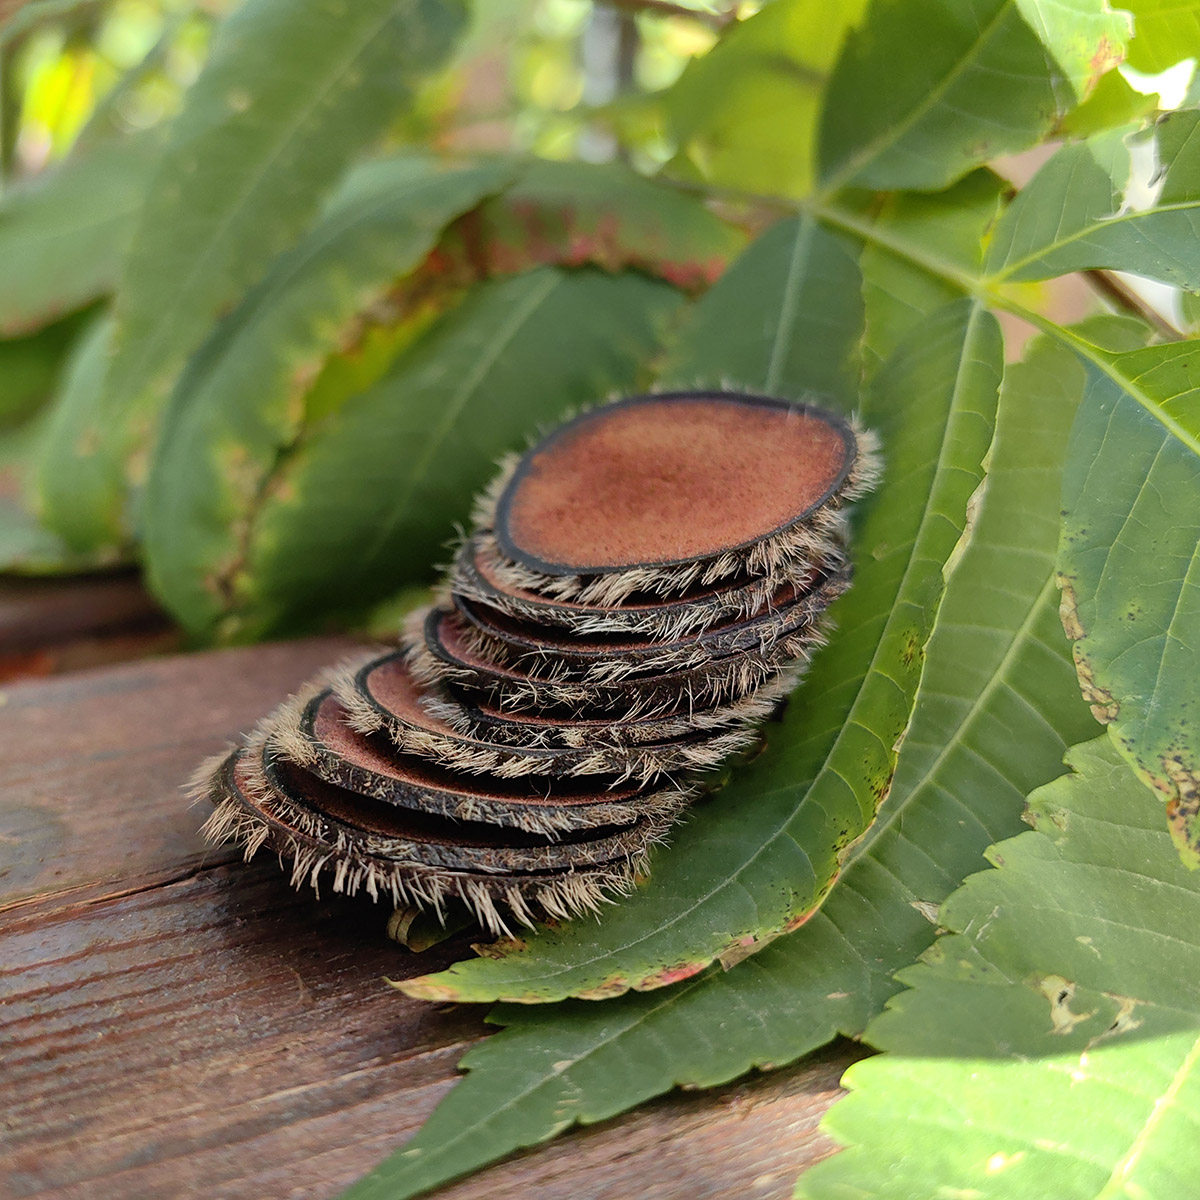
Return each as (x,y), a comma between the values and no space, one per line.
(1070,216)
(262,378)
(997,674)
(757,860)
(62,234)
(369,499)
(1068,994)
(745,114)
(1129,565)
(916,102)
(290,92)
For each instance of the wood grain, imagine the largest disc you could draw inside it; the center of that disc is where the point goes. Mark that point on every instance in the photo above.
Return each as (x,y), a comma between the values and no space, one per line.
(174,1023)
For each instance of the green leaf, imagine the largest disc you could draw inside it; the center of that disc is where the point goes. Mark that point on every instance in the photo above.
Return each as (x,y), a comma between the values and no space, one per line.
(1129,565)
(1068,992)
(1086,38)
(807,342)
(997,674)
(965,83)
(1168,31)
(30,366)
(80,458)
(1113,103)
(725,109)
(1070,218)
(265,375)
(418,444)
(759,859)
(62,234)
(290,92)
(575,214)
(898,295)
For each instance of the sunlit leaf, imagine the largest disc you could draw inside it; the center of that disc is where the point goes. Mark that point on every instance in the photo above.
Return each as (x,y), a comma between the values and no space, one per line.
(1167,32)
(745,114)
(1067,993)
(1086,38)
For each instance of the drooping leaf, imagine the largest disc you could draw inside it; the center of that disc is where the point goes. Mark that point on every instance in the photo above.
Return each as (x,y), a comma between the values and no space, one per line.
(62,234)
(726,109)
(1168,31)
(968,81)
(1129,566)
(589,214)
(1068,994)
(997,674)
(337,311)
(289,93)
(418,444)
(758,859)
(1070,216)
(264,376)
(1086,37)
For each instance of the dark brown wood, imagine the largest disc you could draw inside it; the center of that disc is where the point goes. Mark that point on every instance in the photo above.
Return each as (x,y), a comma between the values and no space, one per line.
(48,626)
(174,1022)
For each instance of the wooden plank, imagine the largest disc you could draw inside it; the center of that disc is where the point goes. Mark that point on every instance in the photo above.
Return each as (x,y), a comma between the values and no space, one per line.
(91,765)
(48,626)
(174,1023)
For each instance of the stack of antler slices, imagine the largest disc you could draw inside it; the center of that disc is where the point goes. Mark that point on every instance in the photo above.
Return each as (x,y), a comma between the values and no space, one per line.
(639,592)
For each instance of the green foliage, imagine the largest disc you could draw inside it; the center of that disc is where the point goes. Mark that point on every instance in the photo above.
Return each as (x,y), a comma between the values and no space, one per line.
(286,98)
(775,62)
(1055,1023)
(937,86)
(62,234)
(269,353)
(1071,217)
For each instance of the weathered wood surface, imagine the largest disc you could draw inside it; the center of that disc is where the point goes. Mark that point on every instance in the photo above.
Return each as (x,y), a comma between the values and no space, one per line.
(174,1022)
(52,625)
